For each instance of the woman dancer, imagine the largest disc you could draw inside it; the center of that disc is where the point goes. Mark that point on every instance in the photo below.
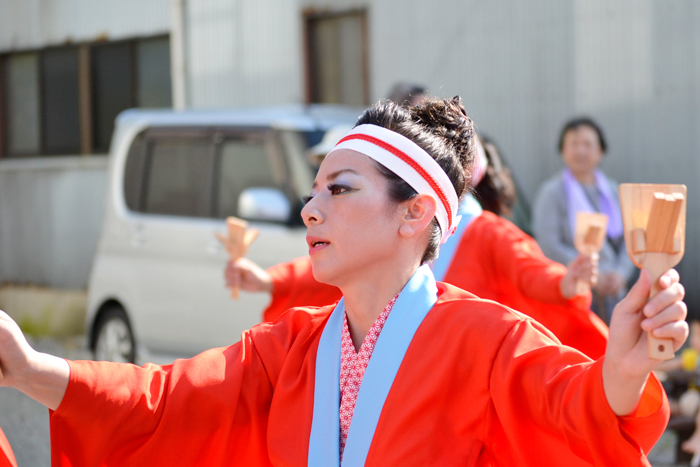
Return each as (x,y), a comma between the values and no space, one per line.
(441,377)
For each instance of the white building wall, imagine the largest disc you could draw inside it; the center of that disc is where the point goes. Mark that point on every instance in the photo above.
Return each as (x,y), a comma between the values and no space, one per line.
(51,213)
(29,24)
(243,53)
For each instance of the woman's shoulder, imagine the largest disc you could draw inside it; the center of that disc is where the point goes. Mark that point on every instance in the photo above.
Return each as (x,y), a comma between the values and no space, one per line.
(486,320)
(295,324)
(553,184)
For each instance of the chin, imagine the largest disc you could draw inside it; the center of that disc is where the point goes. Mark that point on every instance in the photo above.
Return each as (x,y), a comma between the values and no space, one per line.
(325,272)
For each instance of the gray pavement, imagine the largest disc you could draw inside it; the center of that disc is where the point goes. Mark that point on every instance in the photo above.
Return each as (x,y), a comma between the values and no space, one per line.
(26,423)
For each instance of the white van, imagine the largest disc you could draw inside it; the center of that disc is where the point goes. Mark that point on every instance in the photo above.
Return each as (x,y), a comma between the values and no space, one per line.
(157,280)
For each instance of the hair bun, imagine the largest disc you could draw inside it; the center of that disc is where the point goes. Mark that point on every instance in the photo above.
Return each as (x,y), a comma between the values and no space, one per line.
(447,119)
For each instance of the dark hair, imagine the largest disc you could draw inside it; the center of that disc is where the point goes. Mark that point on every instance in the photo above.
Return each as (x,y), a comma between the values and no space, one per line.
(496,191)
(442,128)
(577,123)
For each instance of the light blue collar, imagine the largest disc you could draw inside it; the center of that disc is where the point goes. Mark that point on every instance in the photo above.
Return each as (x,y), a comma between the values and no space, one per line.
(415,301)
(469,209)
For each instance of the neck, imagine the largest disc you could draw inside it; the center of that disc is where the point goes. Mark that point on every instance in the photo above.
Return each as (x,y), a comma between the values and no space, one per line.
(586,178)
(366,297)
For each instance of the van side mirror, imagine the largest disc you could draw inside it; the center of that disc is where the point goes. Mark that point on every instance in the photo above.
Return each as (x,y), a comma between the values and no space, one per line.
(264,204)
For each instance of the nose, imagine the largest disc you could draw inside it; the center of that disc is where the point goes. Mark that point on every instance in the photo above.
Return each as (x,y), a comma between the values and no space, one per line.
(311,213)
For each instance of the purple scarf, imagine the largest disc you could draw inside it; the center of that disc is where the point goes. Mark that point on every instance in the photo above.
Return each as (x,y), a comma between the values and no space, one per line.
(576,201)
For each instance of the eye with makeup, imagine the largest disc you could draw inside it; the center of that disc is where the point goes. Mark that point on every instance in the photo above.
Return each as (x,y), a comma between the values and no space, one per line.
(334,189)
(337,189)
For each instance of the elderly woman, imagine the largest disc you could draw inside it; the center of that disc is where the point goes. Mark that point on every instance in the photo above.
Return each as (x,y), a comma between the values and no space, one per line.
(402,371)
(582,186)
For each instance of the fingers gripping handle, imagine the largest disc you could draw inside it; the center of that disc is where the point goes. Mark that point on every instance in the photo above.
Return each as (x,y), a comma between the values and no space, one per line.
(659,349)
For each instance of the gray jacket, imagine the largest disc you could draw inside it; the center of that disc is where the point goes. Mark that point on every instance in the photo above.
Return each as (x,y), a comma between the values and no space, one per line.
(550,226)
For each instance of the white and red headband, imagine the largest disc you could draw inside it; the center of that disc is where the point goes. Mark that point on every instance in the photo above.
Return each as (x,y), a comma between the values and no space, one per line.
(410,162)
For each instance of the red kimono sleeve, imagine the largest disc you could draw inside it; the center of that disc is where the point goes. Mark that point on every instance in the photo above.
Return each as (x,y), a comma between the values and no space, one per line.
(7,457)
(519,258)
(212,410)
(209,410)
(531,284)
(294,285)
(562,400)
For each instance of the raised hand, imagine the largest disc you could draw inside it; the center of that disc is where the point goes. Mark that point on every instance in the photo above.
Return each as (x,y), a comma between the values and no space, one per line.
(248,276)
(627,364)
(582,269)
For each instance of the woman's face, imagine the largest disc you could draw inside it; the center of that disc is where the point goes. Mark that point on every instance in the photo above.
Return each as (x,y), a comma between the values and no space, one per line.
(352,224)
(581,150)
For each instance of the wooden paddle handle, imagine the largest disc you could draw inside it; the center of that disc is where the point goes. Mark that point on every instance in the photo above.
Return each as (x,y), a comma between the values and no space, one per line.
(659,349)
(582,287)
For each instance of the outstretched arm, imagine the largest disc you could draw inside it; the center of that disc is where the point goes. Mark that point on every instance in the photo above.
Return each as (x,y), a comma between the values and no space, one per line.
(41,376)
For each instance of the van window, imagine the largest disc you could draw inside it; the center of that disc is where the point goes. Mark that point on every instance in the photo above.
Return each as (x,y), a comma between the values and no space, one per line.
(133,173)
(179,177)
(246,161)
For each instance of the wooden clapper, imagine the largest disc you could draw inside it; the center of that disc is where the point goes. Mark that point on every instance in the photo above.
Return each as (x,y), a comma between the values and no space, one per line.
(237,242)
(654,224)
(591,228)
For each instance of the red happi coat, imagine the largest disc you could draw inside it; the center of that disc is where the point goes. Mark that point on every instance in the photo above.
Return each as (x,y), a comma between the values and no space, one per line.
(494,260)
(480,385)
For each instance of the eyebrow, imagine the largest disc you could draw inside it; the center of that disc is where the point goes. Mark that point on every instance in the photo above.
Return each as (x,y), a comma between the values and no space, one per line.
(332,176)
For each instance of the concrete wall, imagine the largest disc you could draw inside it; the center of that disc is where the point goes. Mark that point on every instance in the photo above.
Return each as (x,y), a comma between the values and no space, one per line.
(50,219)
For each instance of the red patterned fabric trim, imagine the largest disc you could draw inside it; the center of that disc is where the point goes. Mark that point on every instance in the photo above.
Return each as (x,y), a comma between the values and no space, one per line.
(352,369)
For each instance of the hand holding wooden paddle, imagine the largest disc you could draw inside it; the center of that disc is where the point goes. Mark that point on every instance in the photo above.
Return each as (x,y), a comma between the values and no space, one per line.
(654,225)
(237,242)
(589,238)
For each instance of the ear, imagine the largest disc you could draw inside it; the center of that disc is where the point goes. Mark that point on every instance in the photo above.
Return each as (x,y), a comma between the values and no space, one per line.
(418,213)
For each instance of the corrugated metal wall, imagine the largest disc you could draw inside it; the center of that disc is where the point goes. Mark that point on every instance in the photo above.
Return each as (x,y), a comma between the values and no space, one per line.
(27,24)
(50,219)
(243,53)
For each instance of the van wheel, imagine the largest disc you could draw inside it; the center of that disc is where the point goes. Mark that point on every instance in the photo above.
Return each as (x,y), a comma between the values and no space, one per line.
(114,341)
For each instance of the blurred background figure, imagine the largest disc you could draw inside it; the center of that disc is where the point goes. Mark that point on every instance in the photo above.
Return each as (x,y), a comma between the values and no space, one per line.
(317,152)
(582,186)
(407,95)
